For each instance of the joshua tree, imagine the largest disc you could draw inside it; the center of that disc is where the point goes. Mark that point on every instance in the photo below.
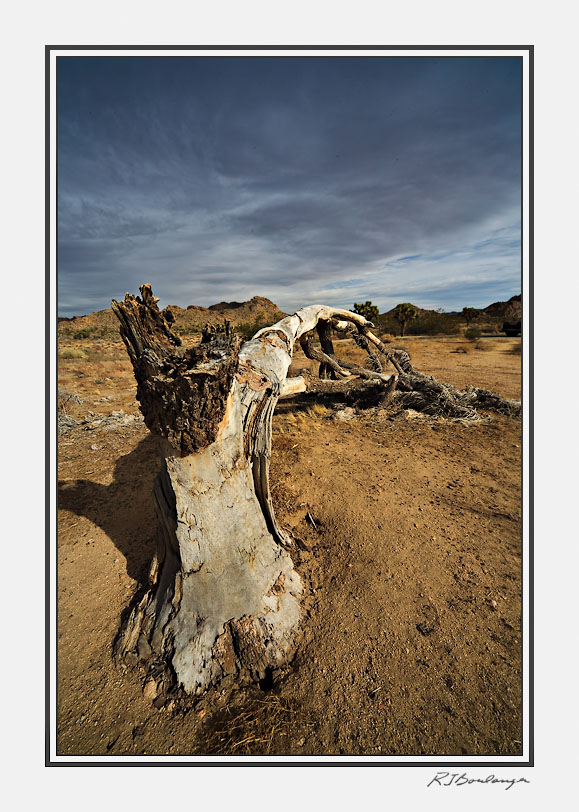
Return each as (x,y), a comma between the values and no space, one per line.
(470,314)
(403,313)
(368,310)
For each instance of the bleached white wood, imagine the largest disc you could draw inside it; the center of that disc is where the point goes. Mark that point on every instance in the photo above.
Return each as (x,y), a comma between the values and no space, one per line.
(224,597)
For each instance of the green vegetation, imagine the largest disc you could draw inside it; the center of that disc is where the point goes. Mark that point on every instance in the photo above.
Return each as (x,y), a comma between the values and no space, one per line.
(186,329)
(110,333)
(368,310)
(470,314)
(403,313)
(249,329)
(73,354)
(426,323)
(472,333)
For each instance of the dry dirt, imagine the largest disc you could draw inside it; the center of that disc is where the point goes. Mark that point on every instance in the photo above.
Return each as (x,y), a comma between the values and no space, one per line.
(409,547)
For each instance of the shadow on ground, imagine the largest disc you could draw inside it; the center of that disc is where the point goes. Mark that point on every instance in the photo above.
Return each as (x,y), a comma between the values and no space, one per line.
(124,509)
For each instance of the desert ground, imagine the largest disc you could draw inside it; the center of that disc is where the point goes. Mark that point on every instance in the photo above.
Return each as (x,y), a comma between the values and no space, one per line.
(408,536)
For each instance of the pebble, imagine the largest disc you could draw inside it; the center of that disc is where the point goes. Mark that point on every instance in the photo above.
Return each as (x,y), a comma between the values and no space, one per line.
(150,690)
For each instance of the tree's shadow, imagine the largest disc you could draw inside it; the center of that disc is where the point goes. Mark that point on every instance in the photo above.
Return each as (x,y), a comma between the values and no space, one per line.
(125,508)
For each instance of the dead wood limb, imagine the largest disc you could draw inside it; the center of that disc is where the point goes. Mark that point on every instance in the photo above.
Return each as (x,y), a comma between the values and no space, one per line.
(327,362)
(223,601)
(324,332)
(341,367)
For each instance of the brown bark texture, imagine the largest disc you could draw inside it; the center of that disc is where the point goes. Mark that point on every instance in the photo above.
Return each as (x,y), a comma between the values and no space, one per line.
(223,602)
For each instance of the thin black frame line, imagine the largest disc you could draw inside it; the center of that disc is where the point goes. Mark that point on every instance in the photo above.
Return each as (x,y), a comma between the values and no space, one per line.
(291,47)
(531,412)
(47,381)
(460,764)
(48,53)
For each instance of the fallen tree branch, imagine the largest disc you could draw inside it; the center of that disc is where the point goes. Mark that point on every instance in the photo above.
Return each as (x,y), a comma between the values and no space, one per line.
(223,597)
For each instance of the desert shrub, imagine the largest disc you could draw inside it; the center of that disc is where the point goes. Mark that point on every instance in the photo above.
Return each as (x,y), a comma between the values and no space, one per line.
(472,333)
(186,329)
(386,324)
(426,324)
(249,329)
(429,324)
(465,349)
(109,333)
(86,332)
(73,354)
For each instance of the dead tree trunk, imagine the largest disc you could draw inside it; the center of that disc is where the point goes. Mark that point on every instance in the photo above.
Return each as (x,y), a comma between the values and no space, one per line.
(224,598)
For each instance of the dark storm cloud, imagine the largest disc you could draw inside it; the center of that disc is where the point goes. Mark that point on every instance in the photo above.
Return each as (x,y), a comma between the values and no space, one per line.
(298,179)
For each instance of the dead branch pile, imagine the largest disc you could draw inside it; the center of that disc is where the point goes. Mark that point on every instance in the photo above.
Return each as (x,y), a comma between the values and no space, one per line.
(408,389)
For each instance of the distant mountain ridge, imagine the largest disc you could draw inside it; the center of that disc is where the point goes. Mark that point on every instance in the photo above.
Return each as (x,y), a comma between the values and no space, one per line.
(511,310)
(189,319)
(257,310)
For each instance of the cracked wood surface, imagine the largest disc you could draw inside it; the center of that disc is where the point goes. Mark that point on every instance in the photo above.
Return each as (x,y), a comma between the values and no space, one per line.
(224,596)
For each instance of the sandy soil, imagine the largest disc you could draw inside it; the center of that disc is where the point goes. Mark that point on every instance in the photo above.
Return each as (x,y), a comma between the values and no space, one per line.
(411,630)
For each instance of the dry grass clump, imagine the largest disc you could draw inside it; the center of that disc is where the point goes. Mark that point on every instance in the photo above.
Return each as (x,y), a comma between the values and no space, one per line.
(253,728)
(483,345)
(465,349)
(73,354)
(300,418)
(319,410)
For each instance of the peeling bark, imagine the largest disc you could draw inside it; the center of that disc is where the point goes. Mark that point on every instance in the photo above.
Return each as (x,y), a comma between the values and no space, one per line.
(223,598)
(223,601)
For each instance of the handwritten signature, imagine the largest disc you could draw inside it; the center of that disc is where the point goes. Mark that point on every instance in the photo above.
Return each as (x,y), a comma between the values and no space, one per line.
(457,780)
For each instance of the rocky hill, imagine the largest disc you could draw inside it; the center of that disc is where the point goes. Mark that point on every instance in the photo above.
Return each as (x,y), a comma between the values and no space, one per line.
(100,318)
(509,311)
(259,311)
(421,311)
(103,323)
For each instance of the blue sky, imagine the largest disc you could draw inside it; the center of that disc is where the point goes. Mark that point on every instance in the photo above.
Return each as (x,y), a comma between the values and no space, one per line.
(321,179)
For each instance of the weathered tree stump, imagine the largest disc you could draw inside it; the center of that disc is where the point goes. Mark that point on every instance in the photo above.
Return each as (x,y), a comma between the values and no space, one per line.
(224,597)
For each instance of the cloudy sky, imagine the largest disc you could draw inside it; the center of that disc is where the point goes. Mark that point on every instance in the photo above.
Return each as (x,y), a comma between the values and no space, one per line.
(306,180)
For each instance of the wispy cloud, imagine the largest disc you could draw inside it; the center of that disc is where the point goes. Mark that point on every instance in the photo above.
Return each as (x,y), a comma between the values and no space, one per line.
(298,179)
